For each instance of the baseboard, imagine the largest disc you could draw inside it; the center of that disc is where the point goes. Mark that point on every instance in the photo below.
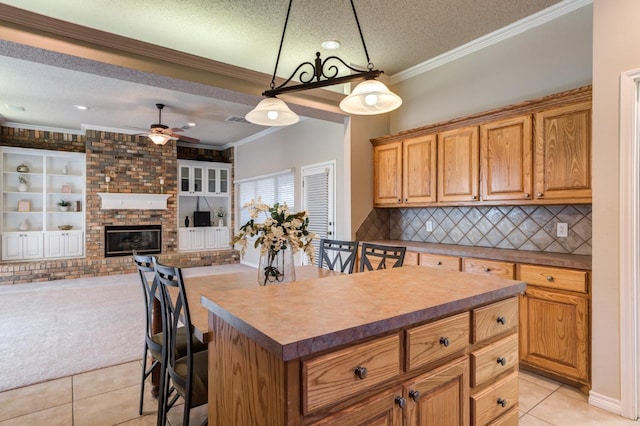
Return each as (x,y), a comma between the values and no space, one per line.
(606,403)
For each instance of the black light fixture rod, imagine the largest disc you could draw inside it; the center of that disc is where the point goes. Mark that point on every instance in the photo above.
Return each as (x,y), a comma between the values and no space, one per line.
(364,75)
(366,52)
(284,30)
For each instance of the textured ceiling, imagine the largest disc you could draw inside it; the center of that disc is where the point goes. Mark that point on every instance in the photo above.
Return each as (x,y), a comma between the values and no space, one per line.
(399,35)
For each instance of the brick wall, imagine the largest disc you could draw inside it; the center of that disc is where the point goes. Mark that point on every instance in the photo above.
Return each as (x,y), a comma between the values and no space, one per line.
(135,166)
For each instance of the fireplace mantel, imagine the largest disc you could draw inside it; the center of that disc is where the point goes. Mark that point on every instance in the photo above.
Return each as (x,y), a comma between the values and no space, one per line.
(128,201)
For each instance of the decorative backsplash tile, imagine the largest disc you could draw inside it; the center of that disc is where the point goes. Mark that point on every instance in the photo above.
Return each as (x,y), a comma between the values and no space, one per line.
(532,228)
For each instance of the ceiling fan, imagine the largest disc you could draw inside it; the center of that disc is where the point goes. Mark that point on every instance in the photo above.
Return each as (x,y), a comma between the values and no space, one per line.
(161,134)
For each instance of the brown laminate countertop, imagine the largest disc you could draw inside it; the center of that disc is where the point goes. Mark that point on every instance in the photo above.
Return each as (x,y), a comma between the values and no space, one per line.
(560,260)
(302,318)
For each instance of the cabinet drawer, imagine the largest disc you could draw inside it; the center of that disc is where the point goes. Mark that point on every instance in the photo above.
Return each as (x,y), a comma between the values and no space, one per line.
(436,340)
(337,375)
(493,360)
(495,319)
(495,401)
(483,266)
(561,279)
(411,258)
(511,418)
(450,263)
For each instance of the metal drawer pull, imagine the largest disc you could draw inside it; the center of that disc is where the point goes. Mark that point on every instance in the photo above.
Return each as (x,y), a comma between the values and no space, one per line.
(361,372)
(444,341)
(400,401)
(415,395)
(502,361)
(501,320)
(549,278)
(502,402)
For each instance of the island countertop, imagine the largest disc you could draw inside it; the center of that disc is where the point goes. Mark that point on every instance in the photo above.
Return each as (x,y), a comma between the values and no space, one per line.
(302,318)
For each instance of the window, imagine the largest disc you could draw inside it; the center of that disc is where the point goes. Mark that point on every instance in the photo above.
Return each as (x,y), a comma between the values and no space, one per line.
(273,188)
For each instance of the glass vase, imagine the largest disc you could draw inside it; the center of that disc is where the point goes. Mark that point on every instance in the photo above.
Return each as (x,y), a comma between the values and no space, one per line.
(276,267)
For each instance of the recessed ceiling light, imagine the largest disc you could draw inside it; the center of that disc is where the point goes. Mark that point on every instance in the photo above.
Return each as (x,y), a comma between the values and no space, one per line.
(191,124)
(330,44)
(81,107)
(15,107)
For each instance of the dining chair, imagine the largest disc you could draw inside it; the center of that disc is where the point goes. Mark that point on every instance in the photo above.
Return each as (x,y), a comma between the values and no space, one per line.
(186,376)
(379,256)
(338,255)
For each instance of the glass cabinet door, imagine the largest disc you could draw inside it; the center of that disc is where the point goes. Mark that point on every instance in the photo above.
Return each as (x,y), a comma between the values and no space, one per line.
(211,180)
(224,181)
(198,180)
(184,178)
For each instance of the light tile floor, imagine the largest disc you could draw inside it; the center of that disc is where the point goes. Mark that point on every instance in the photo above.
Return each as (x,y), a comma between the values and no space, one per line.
(110,397)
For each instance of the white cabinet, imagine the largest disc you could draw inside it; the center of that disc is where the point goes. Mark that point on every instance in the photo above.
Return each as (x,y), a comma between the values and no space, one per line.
(191,178)
(63,243)
(34,184)
(21,245)
(217,182)
(217,237)
(203,178)
(203,238)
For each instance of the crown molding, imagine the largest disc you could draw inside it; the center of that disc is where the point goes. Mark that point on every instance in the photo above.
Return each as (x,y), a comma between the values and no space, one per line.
(525,24)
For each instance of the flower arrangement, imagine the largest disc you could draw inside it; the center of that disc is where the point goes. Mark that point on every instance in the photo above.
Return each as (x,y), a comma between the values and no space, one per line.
(281,229)
(22,179)
(64,203)
(220,212)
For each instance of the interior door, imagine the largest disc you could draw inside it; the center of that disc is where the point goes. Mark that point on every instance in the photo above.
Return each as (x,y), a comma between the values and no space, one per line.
(318,199)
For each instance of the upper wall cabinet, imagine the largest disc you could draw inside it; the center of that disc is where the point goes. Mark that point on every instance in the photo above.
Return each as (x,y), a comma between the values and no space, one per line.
(506,159)
(197,178)
(536,152)
(405,172)
(458,165)
(563,153)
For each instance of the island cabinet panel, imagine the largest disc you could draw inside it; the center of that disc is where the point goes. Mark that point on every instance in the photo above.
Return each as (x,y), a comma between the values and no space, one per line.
(437,340)
(458,171)
(506,162)
(381,409)
(440,397)
(563,153)
(333,377)
(387,174)
(493,360)
(495,401)
(495,319)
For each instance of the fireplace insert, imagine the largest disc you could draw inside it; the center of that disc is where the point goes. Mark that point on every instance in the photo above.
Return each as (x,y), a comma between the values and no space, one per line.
(124,240)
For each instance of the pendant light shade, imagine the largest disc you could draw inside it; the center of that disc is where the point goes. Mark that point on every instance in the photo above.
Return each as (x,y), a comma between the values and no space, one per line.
(370,97)
(159,138)
(272,111)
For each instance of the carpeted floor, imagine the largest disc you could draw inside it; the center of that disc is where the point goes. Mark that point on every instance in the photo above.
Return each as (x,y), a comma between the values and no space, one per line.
(60,328)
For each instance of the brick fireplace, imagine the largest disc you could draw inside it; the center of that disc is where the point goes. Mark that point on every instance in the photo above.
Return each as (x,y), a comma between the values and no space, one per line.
(134,165)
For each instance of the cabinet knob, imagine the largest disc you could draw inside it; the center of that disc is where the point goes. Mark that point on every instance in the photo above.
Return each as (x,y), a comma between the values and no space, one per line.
(438,263)
(361,373)
(400,401)
(502,361)
(414,394)
(549,278)
(487,269)
(406,200)
(444,341)
(539,194)
(474,197)
(502,402)
(527,195)
(399,200)
(501,320)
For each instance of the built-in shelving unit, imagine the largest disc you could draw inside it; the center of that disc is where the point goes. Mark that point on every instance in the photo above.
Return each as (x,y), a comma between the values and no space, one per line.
(34,225)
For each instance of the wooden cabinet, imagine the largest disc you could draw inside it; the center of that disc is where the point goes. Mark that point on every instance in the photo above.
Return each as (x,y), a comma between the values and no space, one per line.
(484,266)
(506,161)
(554,322)
(440,397)
(437,340)
(405,172)
(380,409)
(563,153)
(458,172)
(441,261)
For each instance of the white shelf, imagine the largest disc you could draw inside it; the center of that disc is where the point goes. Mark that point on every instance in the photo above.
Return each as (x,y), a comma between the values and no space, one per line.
(128,201)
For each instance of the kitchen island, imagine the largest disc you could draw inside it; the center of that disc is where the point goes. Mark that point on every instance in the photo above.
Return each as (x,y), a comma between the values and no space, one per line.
(351,349)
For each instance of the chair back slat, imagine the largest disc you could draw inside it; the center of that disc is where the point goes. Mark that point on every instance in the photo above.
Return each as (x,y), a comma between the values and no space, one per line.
(379,256)
(338,255)
(150,288)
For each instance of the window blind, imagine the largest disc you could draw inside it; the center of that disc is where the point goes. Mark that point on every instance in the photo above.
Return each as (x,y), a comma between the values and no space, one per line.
(277,188)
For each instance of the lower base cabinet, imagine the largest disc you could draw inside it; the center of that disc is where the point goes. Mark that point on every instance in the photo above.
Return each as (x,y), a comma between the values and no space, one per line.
(203,238)
(64,244)
(22,245)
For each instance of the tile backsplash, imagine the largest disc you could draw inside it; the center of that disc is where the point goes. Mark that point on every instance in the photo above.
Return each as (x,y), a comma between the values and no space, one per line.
(532,228)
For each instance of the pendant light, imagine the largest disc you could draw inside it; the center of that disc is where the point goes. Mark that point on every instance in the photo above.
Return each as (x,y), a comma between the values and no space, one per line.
(368,98)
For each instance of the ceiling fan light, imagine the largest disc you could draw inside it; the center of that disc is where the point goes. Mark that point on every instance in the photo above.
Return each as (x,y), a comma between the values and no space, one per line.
(159,138)
(272,112)
(370,97)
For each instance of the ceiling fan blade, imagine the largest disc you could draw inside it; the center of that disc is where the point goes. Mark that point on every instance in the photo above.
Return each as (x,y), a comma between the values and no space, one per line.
(177,130)
(187,139)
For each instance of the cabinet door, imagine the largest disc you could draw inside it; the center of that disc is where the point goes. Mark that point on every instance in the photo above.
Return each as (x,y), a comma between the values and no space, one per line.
(197,181)
(184,238)
(54,244)
(197,239)
(563,153)
(185,179)
(458,168)
(440,397)
(32,246)
(12,246)
(387,174)
(381,409)
(506,161)
(223,181)
(74,245)
(211,181)
(554,332)
(419,170)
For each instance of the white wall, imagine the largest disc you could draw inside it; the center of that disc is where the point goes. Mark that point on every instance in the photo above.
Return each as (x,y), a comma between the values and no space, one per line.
(553,57)
(307,142)
(616,48)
